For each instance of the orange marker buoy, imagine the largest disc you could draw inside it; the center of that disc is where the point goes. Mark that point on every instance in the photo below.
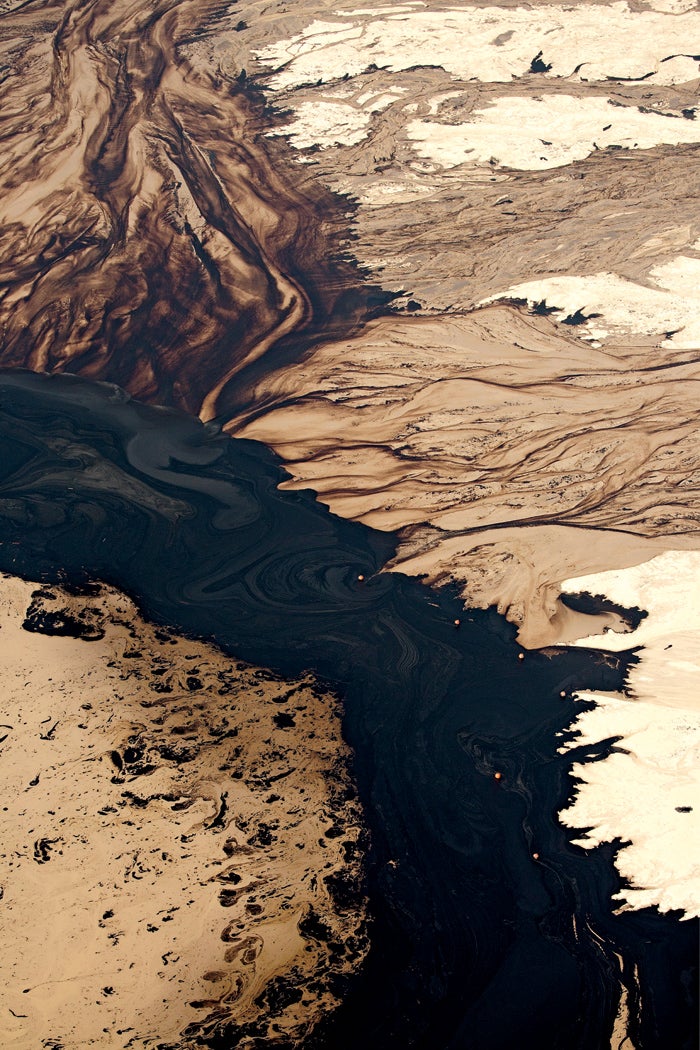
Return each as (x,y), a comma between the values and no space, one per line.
(361,578)
(563,692)
(497,776)
(521,656)
(535,856)
(457,623)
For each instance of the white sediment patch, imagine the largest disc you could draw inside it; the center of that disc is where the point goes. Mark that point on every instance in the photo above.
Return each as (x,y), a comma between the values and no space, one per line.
(321,123)
(152,883)
(494,44)
(379,194)
(669,304)
(325,124)
(537,133)
(648,794)
(667,587)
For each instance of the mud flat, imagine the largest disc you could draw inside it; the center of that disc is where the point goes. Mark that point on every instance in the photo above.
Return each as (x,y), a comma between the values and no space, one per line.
(170,819)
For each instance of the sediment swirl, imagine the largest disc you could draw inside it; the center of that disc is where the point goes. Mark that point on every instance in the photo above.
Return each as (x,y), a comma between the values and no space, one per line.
(489,927)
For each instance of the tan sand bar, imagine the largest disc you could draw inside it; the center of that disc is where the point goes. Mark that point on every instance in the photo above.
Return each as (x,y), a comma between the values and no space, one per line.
(508,452)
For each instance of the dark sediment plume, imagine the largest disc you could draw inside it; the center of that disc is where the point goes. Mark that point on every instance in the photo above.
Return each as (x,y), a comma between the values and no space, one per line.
(489,927)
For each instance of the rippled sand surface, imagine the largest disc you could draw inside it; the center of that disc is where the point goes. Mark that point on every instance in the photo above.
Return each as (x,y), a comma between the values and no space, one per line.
(572,406)
(161,233)
(507,455)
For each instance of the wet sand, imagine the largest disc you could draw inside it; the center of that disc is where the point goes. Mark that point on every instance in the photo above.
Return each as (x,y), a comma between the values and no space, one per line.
(544,167)
(509,455)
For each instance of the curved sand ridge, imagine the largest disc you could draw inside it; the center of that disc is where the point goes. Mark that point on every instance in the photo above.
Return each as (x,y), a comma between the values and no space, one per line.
(528,454)
(170,820)
(492,438)
(161,240)
(158,239)
(546,166)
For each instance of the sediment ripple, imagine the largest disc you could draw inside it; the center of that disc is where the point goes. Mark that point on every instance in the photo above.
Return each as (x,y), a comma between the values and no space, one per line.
(147,236)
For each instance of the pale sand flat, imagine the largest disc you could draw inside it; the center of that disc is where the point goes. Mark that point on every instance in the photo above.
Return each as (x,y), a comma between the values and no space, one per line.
(163,834)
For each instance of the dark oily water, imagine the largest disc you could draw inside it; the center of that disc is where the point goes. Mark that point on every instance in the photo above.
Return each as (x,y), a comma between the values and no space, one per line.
(489,929)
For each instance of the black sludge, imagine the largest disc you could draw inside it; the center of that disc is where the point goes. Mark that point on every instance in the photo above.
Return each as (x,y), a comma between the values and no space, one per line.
(476,942)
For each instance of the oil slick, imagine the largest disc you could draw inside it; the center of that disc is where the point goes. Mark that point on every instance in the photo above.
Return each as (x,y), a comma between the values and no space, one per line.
(432,714)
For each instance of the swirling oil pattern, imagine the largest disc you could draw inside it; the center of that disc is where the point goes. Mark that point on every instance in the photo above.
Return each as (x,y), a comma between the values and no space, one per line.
(489,929)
